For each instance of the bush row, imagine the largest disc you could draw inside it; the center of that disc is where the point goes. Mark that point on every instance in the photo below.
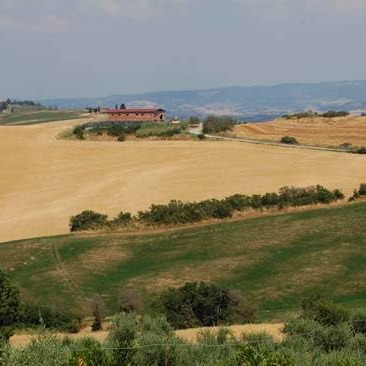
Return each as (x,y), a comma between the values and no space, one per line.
(120,130)
(177,212)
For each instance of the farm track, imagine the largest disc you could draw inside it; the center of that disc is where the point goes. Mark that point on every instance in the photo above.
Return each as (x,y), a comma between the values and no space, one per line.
(64,274)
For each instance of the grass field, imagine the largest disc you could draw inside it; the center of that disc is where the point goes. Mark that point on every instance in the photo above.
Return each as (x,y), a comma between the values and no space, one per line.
(29,118)
(329,132)
(45,180)
(274,260)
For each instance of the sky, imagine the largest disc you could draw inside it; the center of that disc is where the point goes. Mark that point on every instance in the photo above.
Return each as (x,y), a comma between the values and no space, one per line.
(75,48)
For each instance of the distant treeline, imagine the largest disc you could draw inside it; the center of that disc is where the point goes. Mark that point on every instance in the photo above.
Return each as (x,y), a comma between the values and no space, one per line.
(309,114)
(177,212)
(8,103)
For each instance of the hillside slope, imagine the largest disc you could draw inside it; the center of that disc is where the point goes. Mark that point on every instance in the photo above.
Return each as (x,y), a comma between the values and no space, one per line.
(45,180)
(310,131)
(274,260)
(251,103)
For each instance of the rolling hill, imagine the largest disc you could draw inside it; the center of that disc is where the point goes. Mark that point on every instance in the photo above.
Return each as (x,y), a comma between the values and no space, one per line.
(45,180)
(274,260)
(250,103)
(330,132)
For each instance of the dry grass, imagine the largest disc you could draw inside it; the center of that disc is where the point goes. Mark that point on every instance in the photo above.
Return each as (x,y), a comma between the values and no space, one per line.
(45,180)
(310,131)
(189,335)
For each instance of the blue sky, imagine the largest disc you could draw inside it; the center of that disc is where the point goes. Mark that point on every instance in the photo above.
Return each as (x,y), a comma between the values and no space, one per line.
(60,48)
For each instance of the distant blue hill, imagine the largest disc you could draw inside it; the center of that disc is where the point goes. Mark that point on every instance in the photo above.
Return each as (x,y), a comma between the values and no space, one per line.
(252,103)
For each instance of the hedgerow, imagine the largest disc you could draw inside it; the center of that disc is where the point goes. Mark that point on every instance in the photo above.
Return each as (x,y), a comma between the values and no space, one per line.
(359,193)
(121,130)
(178,212)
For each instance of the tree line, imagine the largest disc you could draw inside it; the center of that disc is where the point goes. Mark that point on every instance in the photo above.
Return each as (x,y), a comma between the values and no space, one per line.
(178,212)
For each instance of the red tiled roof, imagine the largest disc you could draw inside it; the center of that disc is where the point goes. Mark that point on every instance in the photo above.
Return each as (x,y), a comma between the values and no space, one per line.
(135,110)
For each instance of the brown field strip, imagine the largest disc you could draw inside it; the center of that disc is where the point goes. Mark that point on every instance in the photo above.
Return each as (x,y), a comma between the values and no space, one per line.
(45,180)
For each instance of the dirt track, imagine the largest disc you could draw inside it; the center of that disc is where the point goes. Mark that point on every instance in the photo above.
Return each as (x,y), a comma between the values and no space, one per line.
(43,180)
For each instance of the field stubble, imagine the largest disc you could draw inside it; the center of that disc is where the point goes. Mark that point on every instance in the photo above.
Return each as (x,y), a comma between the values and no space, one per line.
(45,180)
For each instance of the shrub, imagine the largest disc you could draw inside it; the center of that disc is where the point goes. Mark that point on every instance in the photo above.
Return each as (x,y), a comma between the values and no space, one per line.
(116,131)
(360,192)
(121,138)
(122,339)
(9,306)
(43,351)
(289,140)
(340,358)
(159,130)
(239,202)
(328,338)
(333,338)
(201,304)
(123,219)
(254,355)
(156,342)
(49,318)
(88,220)
(323,311)
(358,321)
(194,120)
(201,136)
(78,131)
(88,351)
(360,150)
(214,124)
(97,307)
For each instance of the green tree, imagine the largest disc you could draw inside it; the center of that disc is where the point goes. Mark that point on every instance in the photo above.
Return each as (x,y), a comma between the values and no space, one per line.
(194,120)
(97,309)
(9,306)
(88,220)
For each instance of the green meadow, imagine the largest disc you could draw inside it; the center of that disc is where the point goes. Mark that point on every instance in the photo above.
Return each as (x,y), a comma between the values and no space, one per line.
(43,116)
(273,260)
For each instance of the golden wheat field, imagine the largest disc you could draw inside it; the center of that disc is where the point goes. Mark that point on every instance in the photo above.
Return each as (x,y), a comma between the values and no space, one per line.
(310,131)
(45,180)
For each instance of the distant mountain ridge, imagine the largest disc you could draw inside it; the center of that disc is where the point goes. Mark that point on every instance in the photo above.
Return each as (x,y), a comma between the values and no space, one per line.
(252,103)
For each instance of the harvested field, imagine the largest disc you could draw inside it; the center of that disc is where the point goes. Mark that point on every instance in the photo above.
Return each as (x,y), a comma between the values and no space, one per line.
(45,180)
(310,131)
